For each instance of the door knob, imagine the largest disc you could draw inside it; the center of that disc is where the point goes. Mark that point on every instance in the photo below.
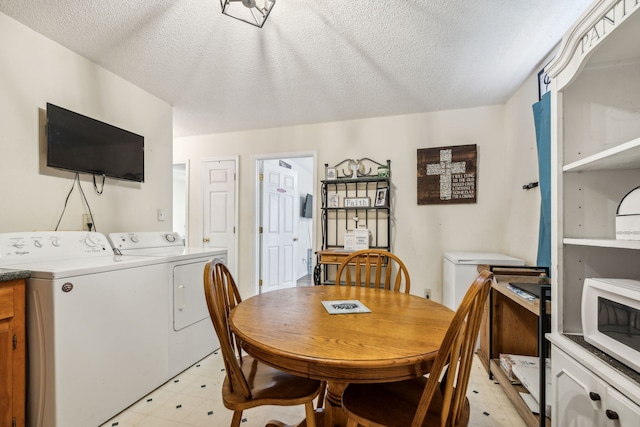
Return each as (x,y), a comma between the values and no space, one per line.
(295,239)
(206,240)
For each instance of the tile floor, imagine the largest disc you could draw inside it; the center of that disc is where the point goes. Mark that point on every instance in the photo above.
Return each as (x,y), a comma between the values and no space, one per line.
(192,399)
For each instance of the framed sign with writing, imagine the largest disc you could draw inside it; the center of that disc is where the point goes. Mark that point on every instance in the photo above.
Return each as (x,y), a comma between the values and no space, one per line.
(357,202)
(447,175)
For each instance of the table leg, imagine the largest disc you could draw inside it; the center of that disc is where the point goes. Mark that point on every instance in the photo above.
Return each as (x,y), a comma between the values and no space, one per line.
(320,421)
(334,415)
(331,415)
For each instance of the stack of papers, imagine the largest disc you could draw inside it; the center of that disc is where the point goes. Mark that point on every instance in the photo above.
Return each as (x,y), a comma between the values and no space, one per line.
(521,293)
(508,361)
(529,376)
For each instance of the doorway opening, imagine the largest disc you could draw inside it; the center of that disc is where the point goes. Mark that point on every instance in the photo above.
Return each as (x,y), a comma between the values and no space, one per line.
(181,199)
(285,217)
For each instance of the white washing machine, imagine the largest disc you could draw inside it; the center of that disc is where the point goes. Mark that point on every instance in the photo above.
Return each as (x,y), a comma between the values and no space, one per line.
(96,326)
(191,333)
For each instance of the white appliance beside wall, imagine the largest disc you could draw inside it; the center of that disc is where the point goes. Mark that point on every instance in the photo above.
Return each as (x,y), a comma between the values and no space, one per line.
(96,334)
(459,269)
(191,333)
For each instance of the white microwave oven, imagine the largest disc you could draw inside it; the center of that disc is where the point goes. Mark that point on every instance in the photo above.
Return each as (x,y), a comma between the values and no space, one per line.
(611,318)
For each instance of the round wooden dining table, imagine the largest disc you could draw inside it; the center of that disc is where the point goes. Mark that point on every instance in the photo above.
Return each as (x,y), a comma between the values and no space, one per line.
(291,329)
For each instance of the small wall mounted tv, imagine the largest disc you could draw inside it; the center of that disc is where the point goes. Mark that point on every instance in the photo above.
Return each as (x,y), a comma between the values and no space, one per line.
(307,207)
(79,143)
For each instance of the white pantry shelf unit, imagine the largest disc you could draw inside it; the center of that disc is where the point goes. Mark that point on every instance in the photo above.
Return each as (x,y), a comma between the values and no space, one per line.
(595,162)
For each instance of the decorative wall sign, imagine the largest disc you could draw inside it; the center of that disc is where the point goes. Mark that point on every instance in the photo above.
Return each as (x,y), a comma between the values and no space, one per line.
(357,202)
(447,175)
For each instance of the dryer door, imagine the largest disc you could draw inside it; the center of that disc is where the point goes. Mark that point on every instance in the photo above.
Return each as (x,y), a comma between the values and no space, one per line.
(189,304)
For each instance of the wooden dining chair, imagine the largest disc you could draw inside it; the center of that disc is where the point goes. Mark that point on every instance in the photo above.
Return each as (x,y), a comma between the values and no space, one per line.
(374,267)
(249,383)
(439,400)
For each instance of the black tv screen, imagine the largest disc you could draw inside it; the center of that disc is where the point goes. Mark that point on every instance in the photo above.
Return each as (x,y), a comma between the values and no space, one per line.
(81,144)
(307,207)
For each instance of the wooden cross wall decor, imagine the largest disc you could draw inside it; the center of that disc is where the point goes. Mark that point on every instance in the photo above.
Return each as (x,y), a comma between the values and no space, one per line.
(447,175)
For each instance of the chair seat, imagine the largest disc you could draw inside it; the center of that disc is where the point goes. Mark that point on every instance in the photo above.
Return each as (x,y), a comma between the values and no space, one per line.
(249,383)
(372,402)
(269,386)
(439,400)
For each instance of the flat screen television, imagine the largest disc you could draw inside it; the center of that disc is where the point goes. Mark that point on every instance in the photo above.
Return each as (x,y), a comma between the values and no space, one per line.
(81,144)
(307,207)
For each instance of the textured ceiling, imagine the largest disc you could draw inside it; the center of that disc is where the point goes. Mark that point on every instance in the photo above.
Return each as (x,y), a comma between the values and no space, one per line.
(313,61)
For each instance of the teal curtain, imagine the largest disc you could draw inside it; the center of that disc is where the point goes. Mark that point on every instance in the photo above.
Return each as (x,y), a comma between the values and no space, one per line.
(542,118)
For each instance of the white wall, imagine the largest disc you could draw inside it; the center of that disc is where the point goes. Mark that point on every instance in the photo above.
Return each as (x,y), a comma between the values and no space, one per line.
(33,71)
(420,233)
(180,194)
(522,207)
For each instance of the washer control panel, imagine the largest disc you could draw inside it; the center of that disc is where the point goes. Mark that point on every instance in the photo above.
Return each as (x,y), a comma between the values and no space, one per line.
(51,245)
(145,240)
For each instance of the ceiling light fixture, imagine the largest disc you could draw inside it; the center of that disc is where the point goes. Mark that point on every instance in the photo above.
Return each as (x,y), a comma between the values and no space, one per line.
(254,12)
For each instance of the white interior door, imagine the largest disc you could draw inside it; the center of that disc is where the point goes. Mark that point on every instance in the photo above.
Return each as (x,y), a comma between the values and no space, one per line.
(219,195)
(280,206)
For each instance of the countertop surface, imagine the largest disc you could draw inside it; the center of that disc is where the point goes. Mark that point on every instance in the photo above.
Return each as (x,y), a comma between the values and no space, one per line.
(620,367)
(7,274)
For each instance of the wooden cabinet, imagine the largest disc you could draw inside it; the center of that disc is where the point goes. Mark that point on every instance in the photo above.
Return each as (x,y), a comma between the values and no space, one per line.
(512,324)
(595,162)
(354,198)
(12,353)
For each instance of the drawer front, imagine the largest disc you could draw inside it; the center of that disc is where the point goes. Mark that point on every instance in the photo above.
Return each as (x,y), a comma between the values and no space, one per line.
(337,258)
(332,259)
(6,303)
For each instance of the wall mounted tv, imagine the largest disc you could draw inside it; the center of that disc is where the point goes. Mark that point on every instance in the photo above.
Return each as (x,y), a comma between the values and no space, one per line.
(307,207)
(81,144)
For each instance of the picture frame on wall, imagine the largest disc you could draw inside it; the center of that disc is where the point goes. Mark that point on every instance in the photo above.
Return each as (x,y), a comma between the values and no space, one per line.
(381,197)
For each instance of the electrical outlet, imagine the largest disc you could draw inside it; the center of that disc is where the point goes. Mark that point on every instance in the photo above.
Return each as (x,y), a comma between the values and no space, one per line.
(427,293)
(86,220)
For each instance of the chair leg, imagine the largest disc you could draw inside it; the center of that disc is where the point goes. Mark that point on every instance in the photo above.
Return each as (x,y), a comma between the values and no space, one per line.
(237,417)
(310,413)
(321,395)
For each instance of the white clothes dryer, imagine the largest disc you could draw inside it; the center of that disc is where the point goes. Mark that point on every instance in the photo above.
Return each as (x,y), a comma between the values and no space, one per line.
(191,333)
(96,326)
